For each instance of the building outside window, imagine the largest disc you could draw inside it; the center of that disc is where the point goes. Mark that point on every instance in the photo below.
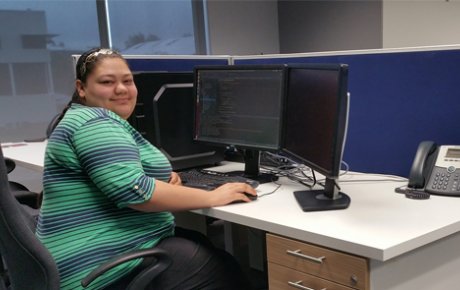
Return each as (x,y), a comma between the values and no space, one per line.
(38,38)
(155,27)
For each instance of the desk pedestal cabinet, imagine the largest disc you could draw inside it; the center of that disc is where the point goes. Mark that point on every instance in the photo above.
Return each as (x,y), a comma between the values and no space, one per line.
(299,265)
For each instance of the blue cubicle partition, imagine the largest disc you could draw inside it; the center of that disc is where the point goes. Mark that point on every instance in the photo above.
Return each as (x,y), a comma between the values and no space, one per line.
(398,98)
(150,63)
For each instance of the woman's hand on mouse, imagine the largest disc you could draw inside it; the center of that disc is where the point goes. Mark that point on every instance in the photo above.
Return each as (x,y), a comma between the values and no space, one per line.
(231,192)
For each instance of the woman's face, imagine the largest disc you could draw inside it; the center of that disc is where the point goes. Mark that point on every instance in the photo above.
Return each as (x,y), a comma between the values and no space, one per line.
(110,85)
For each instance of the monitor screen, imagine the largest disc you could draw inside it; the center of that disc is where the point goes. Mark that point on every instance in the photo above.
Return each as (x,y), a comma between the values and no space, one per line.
(240,105)
(164,116)
(316,121)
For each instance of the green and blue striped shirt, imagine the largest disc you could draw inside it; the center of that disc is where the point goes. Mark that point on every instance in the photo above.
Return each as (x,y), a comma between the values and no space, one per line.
(96,165)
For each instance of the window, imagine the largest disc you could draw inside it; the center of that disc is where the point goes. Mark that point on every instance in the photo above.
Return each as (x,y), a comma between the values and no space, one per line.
(36,37)
(39,37)
(5,81)
(154,27)
(34,41)
(31,78)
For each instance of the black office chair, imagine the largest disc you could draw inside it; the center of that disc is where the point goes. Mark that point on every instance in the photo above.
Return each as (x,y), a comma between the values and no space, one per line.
(20,191)
(10,166)
(52,124)
(28,263)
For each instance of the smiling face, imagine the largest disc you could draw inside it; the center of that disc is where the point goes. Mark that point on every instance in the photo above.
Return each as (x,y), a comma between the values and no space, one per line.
(110,85)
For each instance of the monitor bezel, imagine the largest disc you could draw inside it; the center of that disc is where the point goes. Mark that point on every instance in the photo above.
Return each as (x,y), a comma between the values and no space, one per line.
(340,123)
(243,145)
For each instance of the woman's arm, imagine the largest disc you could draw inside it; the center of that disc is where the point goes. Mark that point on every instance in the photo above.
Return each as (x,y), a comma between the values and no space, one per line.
(173,197)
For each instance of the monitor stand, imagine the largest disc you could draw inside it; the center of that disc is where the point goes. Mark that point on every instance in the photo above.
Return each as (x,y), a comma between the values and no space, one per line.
(251,168)
(328,199)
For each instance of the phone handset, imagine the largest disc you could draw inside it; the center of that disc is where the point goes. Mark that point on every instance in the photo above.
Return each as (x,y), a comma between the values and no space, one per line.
(422,165)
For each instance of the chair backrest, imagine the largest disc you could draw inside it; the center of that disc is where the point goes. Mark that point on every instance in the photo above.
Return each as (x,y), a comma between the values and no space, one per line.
(52,124)
(29,263)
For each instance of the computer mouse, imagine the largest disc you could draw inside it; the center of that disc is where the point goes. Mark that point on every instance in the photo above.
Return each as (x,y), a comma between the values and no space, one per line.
(251,197)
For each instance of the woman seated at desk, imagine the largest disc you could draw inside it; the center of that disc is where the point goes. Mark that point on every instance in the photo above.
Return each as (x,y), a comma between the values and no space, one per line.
(108,191)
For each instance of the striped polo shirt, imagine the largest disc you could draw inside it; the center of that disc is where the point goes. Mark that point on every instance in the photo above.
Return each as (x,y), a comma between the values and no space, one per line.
(96,165)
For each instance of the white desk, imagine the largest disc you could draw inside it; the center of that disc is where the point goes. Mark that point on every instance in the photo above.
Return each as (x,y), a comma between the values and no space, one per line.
(379,224)
(29,155)
(411,244)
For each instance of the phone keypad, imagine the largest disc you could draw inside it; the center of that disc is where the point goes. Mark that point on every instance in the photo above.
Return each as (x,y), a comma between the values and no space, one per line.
(444,181)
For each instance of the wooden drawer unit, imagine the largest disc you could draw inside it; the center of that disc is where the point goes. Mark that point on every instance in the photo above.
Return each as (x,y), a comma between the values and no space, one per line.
(281,277)
(298,265)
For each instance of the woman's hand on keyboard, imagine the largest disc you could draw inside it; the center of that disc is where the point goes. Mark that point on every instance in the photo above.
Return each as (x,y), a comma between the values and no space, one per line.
(175,179)
(233,192)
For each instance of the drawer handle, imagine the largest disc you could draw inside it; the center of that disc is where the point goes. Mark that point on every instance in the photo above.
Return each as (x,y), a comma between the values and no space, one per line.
(299,285)
(298,253)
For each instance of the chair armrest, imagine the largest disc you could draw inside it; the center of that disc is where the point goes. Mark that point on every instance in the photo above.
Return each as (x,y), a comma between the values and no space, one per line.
(143,278)
(10,164)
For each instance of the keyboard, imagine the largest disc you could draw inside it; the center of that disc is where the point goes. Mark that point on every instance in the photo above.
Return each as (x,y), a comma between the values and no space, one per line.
(209,180)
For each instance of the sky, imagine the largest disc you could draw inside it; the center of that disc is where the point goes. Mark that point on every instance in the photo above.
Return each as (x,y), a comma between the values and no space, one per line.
(165,19)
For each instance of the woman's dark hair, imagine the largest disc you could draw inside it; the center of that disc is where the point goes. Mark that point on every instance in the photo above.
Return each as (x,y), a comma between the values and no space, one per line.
(85,66)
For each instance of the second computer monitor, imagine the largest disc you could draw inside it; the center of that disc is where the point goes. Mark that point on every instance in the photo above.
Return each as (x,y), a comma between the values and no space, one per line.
(315,127)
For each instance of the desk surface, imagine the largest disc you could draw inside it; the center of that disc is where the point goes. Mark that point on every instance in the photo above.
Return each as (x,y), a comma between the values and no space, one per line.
(30,155)
(379,224)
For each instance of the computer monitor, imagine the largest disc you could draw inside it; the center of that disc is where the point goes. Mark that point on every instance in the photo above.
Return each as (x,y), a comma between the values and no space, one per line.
(241,106)
(315,128)
(164,116)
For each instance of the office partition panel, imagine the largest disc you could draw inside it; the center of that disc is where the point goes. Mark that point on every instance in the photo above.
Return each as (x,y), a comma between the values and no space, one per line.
(172,63)
(398,98)
(168,63)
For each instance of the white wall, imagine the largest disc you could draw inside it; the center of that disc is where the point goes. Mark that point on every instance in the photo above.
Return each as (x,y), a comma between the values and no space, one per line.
(289,26)
(420,23)
(242,27)
(317,26)
(270,26)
